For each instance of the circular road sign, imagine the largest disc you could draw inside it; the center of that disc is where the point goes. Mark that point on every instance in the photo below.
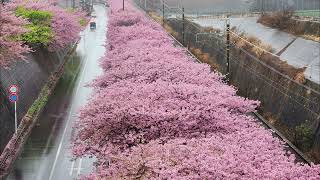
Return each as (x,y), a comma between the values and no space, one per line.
(13,89)
(13,97)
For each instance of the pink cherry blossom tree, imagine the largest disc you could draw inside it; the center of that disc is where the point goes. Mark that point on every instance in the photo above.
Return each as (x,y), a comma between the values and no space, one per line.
(242,155)
(66,27)
(156,114)
(65,24)
(11,48)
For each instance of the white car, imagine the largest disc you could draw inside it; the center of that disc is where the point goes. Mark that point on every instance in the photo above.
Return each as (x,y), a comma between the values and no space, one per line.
(93,14)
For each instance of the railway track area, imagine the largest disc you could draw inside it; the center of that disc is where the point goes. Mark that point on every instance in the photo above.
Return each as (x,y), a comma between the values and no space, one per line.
(300,156)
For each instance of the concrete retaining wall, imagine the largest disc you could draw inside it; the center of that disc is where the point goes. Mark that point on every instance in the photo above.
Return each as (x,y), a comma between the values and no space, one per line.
(30,76)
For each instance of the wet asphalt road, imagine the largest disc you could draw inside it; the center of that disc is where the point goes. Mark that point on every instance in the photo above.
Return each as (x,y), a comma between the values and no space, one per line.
(46,155)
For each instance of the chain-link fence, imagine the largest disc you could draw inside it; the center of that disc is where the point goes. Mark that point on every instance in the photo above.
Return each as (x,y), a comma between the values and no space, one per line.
(292,106)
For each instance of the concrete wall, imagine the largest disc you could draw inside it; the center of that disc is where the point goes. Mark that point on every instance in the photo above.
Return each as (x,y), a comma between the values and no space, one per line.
(30,76)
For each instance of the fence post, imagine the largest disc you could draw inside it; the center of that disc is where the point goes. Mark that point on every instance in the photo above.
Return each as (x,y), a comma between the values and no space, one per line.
(183,27)
(228,48)
(162,12)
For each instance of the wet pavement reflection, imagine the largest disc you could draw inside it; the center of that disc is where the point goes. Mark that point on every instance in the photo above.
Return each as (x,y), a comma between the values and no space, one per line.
(46,154)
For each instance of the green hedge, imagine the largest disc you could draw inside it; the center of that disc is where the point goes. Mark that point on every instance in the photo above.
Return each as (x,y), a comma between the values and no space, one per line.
(39,30)
(40,102)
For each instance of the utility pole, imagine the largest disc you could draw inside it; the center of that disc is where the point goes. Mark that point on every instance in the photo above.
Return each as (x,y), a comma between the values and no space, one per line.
(183,27)
(123,5)
(162,12)
(91,5)
(228,48)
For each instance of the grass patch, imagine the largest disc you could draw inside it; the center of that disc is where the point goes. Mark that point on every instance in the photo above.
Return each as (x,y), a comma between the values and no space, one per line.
(284,21)
(166,26)
(204,58)
(40,102)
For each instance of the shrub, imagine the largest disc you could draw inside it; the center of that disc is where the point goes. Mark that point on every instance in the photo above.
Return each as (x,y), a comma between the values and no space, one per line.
(277,20)
(40,102)
(304,136)
(64,24)
(82,22)
(35,16)
(40,32)
(204,57)
(284,21)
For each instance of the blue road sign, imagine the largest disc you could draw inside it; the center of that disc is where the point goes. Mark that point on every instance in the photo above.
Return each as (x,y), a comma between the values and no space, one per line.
(13,98)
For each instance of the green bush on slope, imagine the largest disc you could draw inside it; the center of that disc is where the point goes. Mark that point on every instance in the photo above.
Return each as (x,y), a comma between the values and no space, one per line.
(39,29)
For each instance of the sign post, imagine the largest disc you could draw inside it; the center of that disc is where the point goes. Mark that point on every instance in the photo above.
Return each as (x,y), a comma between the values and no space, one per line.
(15,117)
(13,97)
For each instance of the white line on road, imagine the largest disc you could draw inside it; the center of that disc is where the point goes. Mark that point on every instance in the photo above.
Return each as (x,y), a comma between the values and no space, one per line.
(71,169)
(66,127)
(79,168)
